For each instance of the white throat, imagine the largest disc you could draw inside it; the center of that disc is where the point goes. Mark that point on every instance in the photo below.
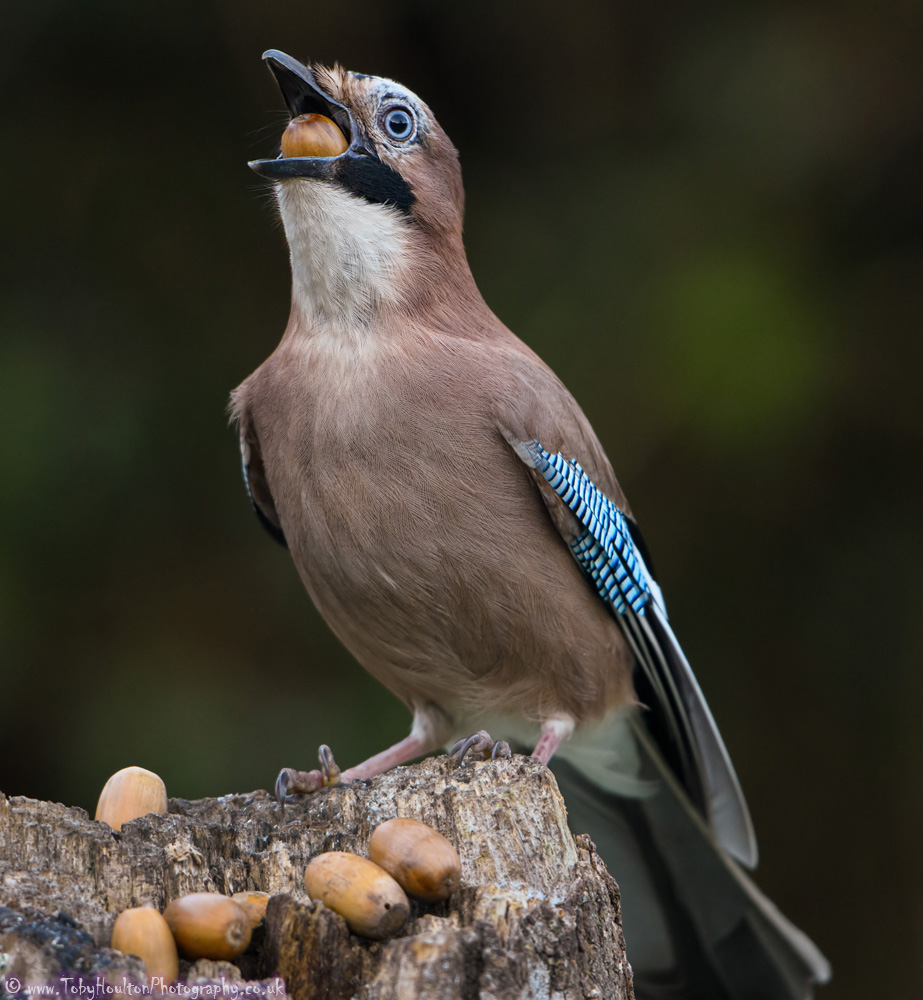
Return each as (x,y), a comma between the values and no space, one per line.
(348,255)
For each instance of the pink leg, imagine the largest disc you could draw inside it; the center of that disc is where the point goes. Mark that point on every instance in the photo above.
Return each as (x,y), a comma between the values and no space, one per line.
(554,732)
(410,747)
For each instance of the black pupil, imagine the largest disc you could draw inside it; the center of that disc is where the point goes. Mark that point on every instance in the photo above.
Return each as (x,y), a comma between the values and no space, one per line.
(398,123)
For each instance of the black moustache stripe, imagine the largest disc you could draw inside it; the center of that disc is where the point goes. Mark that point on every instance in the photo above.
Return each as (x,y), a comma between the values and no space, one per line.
(376,182)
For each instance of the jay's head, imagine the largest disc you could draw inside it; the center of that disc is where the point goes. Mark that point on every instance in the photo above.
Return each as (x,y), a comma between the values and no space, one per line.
(392,153)
(369,188)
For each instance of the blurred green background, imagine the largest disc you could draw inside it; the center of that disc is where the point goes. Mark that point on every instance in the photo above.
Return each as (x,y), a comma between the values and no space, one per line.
(707,218)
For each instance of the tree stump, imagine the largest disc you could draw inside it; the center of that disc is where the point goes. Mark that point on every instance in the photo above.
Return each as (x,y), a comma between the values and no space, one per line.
(537,914)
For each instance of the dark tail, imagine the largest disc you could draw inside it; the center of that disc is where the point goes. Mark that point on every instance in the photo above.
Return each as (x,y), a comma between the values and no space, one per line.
(696,927)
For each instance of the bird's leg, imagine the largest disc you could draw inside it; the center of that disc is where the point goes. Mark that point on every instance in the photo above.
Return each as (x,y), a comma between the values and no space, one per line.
(428,733)
(480,745)
(291,781)
(554,732)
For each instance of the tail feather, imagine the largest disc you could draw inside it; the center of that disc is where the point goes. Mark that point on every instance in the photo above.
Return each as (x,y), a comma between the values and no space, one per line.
(658,792)
(695,924)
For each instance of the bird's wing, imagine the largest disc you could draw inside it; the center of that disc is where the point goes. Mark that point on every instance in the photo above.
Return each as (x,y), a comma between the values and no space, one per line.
(604,542)
(255,479)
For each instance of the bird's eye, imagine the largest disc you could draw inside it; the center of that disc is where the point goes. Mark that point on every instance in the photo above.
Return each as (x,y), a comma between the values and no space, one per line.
(399,123)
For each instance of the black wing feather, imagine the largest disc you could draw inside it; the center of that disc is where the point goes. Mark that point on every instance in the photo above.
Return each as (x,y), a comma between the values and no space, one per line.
(251,458)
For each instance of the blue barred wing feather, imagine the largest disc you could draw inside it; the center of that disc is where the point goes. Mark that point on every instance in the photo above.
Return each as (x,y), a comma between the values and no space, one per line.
(604,548)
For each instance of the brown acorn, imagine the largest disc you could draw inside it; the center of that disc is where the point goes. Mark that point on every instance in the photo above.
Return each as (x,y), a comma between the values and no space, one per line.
(313,135)
(255,905)
(421,860)
(130,793)
(368,899)
(142,931)
(208,925)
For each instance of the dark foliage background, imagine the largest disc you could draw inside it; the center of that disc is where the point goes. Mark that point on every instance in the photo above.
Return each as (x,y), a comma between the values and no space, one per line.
(708,218)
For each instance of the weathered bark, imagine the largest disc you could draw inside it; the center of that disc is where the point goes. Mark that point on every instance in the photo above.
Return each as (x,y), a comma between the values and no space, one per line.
(537,915)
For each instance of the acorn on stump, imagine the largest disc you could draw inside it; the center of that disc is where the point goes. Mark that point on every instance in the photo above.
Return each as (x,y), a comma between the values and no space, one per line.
(418,857)
(366,896)
(142,931)
(209,925)
(130,793)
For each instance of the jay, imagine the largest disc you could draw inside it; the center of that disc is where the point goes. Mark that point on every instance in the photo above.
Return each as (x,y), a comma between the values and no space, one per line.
(456,521)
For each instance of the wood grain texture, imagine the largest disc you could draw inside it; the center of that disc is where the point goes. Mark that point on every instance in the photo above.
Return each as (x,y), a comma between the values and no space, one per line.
(537,914)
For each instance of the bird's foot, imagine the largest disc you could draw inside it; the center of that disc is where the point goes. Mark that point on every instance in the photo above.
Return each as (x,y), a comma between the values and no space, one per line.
(292,782)
(482,746)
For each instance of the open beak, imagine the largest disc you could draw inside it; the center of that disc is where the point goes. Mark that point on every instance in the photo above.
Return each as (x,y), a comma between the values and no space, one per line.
(358,169)
(303,96)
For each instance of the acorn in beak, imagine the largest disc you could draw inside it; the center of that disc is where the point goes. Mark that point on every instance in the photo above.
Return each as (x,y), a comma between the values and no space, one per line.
(323,141)
(320,128)
(312,135)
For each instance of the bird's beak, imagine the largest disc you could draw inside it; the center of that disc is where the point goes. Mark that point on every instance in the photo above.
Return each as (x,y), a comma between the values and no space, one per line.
(358,169)
(303,96)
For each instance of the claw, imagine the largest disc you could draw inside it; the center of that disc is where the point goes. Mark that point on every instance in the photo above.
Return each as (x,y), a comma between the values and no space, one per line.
(482,745)
(463,746)
(328,766)
(283,783)
(291,781)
